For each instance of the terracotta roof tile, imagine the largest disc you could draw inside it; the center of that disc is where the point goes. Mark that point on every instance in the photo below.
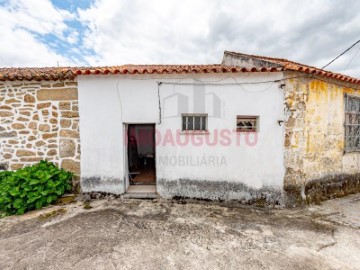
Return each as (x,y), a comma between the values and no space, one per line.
(294,66)
(69,73)
(37,74)
(169,69)
(63,73)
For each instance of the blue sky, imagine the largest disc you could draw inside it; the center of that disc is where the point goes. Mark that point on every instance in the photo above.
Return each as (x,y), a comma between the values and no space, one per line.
(43,32)
(115,32)
(72,5)
(65,48)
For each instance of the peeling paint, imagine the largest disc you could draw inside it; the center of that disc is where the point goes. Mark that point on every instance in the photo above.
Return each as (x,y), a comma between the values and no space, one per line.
(219,191)
(102,184)
(316,166)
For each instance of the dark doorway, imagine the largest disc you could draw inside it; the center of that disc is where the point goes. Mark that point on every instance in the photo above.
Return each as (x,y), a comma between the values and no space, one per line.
(141,154)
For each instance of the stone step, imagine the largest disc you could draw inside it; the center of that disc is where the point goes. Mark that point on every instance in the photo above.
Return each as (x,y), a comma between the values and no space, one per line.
(140,196)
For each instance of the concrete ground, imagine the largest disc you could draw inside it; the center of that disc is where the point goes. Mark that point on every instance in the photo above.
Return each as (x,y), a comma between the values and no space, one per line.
(145,234)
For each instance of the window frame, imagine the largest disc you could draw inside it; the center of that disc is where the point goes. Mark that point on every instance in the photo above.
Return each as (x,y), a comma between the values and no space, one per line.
(194,115)
(348,125)
(257,123)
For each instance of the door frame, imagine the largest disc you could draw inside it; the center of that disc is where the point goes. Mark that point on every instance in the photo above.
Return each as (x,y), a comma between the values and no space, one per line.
(125,146)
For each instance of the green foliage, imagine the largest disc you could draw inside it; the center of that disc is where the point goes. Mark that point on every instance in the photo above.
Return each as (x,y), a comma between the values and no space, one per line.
(32,187)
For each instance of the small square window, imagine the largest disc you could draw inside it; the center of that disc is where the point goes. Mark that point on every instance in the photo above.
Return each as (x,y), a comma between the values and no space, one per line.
(194,122)
(247,123)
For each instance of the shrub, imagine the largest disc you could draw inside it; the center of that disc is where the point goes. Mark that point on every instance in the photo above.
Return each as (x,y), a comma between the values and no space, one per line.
(32,187)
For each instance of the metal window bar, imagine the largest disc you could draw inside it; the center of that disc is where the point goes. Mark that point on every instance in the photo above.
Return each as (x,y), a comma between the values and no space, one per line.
(246,124)
(194,122)
(352,123)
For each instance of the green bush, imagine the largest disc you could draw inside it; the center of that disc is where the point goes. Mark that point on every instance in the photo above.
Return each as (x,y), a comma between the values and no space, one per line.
(32,187)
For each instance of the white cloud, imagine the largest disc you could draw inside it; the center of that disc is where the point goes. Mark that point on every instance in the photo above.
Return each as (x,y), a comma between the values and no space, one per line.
(21,21)
(188,31)
(37,16)
(172,31)
(19,48)
(146,31)
(73,37)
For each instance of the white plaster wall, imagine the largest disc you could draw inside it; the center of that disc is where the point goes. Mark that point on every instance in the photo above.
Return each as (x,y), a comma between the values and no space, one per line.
(106,102)
(102,154)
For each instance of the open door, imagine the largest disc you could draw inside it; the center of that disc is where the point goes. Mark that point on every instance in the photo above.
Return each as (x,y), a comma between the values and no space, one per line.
(141,154)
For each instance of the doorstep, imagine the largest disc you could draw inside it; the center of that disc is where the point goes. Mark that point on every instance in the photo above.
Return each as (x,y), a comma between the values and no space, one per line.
(141,192)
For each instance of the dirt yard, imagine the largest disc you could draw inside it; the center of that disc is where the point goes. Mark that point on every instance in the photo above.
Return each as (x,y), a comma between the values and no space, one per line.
(145,234)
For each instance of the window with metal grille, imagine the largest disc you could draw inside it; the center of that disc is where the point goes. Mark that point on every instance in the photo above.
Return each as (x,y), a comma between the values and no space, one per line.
(194,122)
(247,123)
(352,123)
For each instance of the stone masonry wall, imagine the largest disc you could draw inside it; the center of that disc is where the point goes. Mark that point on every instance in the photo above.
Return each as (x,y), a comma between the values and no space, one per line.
(39,120)
(295,107)
(316,166)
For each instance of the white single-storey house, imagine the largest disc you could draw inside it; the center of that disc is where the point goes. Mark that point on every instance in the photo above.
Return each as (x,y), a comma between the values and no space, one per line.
(249,129)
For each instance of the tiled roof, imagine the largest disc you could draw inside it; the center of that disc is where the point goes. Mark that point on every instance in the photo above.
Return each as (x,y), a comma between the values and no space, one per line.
(61,73)
(170,69)
(69,73)
(294,66)
(36,74)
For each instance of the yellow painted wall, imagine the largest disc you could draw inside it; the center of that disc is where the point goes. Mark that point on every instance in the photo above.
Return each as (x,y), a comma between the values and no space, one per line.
(324,131)
(314,130)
